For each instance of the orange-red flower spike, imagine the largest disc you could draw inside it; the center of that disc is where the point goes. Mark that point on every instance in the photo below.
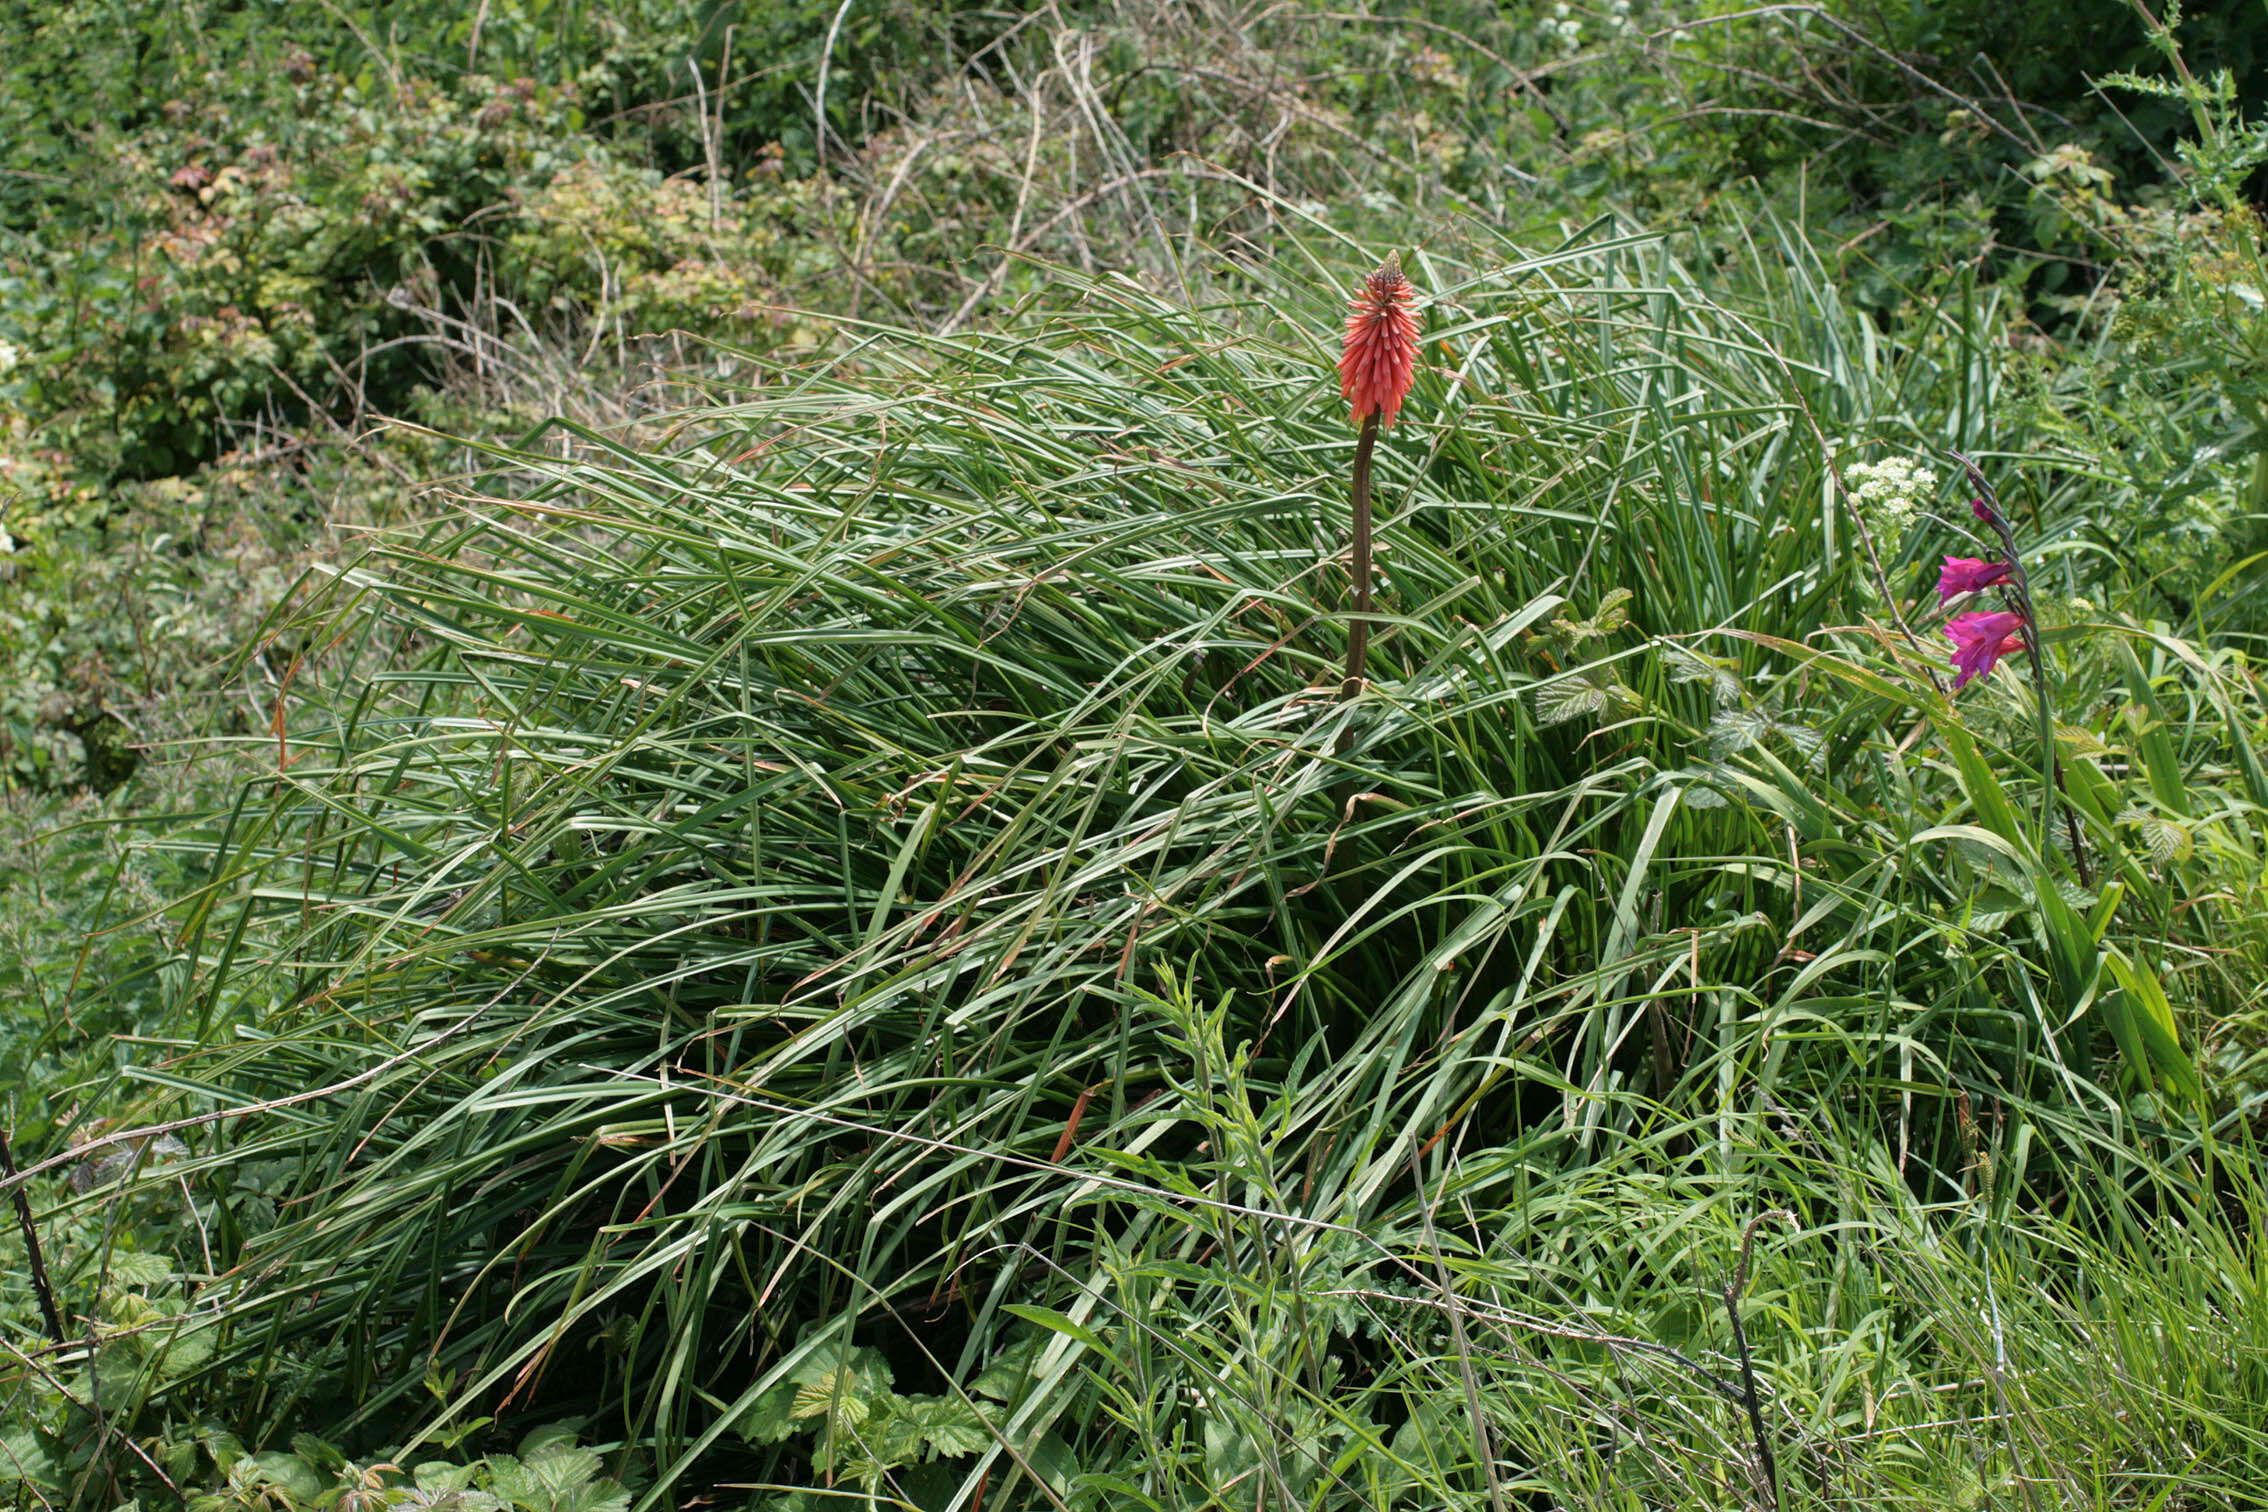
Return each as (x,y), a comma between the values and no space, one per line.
(1379,360)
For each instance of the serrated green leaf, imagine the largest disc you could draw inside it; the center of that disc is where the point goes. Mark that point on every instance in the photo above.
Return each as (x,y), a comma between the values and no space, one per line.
(770,1418)
(24,1459)
(512,1481)
(550,1436)
(1735,730)
(1689,666)
(139,1268)
(560,1469)
(290,1472)
(594,1496)
(952,1428)
(2166,841)
(1568,698)
(440,1475)
(834,1396)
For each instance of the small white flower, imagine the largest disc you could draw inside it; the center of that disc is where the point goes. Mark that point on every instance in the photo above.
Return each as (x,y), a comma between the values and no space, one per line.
(1563,30)
(1888,496)
(10,355)
(1893,487)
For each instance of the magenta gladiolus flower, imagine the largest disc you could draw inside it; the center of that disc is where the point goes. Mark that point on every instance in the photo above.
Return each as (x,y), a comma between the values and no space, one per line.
(1967,575)
(1980,640)
(1979,508)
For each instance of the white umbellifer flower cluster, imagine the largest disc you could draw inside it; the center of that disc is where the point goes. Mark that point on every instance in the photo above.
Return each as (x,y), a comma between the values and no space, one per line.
(1619,19)
(1891,491)
(1563,30)
(10,355)
(1888,495)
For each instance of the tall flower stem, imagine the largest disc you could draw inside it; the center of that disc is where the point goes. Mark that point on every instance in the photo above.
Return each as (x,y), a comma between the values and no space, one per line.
(1358,632)
(2019,591)
(1376,366)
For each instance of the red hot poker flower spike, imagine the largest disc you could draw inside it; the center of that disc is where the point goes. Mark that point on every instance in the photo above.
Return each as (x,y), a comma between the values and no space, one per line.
(1380,357)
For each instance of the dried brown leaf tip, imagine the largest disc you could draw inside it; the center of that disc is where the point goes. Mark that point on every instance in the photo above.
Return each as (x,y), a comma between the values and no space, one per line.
(1380,357)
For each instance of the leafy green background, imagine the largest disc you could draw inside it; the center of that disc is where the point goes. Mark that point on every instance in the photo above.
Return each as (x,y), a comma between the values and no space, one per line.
(766,728)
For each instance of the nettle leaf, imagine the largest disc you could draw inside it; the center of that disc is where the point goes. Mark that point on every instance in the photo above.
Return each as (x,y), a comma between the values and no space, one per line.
(951,1427)
(893,1433)
(441,1476)
(1613,612)
(1007,1375)
(447,1501)
(560,1471)
(1610,617)
(1568,698)
(544,1439)
(770,1418)
(784,1408)
(1689,666)
(1805,741)
(223,1446)
(863,1362)
(289,1471)
(515,1483)
(1735,730)
(24,1459)
(139,1268)
(2168,842)
(187,1349)
(594,1496)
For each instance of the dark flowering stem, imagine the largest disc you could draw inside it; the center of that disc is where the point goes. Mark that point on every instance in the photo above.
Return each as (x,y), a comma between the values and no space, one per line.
(1358,633)
(1768,1469)
(35,1263)
(2018,590)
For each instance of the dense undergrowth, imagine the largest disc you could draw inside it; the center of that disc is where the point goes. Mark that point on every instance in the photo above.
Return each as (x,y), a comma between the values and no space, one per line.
(824,932)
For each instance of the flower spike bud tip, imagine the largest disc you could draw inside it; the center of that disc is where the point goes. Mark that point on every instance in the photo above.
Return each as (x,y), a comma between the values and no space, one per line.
(1379,360)
(1981,640)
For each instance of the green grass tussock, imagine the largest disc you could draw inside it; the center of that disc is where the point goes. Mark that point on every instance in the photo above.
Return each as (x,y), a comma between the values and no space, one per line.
(867,946)
(801,913)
